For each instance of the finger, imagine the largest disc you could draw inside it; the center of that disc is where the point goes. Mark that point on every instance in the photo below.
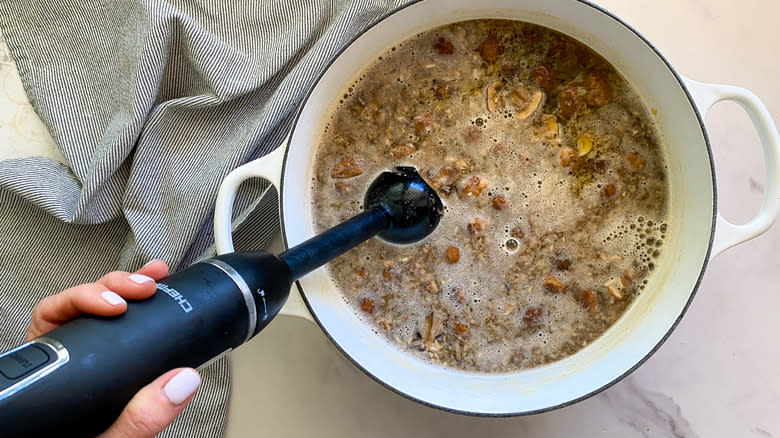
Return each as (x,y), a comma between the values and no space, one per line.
(132,286)
(156,405)
(103,298)
(156,269)
(53,311)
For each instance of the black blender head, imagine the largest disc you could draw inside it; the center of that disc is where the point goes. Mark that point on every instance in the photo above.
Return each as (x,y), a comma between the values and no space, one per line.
(414,207)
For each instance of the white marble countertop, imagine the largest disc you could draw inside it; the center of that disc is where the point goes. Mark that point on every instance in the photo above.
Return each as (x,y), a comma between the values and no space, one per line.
(716,376)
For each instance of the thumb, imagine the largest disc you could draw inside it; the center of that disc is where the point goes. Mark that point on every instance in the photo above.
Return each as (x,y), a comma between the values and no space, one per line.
(156,405)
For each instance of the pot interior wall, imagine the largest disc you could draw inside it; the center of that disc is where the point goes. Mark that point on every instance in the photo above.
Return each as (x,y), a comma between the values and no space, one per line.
(654,312)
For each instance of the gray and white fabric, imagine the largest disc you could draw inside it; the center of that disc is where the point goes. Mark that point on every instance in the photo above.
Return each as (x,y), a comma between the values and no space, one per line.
(151,103)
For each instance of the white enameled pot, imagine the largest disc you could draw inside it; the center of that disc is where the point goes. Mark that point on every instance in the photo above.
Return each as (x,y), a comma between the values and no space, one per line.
(696,231)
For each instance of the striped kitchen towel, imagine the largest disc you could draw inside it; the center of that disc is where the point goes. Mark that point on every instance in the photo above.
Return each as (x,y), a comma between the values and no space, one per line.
(151,104)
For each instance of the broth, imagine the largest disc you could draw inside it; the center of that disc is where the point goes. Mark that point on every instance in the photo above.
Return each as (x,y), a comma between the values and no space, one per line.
(554,184)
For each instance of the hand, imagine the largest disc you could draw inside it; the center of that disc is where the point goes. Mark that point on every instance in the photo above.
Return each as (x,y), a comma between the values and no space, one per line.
(157,404)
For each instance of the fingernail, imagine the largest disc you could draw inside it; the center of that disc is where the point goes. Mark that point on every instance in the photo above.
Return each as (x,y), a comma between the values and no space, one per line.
(150,262)
(112,298)
(139,278)
(182,386)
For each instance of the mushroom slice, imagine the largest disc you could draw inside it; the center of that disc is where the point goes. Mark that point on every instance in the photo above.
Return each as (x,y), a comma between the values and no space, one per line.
(616,286)
(526,101)
(492,96)
(431,328)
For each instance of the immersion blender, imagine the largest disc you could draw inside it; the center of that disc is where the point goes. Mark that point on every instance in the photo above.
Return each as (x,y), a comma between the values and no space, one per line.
(76,379)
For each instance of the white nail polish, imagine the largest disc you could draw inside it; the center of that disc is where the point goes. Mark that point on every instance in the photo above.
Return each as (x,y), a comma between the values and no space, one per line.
(112,298)
(181,386)
(149,263)
(139,278)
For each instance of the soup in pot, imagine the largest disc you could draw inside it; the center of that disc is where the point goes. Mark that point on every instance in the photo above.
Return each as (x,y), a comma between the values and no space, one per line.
(554,185)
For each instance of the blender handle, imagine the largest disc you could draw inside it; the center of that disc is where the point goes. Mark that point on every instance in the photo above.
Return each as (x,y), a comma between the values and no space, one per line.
(76,379)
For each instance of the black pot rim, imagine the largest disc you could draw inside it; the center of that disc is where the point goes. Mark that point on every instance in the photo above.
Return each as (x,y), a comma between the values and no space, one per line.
(575,400)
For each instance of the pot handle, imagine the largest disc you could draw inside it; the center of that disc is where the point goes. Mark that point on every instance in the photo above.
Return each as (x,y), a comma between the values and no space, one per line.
(268,167)
(726,233)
